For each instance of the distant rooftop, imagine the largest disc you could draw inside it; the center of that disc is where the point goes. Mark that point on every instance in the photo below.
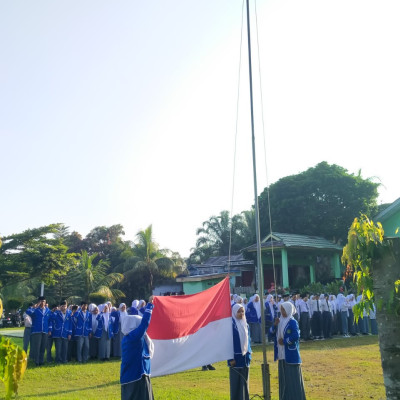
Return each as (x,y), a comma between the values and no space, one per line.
(388,211)
(284,240)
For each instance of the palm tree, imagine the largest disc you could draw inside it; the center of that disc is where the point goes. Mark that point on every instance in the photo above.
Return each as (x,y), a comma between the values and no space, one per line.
(220,235)
(95,278)
(149,257)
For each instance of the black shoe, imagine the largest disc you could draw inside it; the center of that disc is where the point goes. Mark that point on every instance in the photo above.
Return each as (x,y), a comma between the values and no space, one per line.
(204,368)
(210,367)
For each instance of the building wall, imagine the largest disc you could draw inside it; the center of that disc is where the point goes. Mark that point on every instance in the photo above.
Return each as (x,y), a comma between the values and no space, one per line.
(199,286)
(390,226)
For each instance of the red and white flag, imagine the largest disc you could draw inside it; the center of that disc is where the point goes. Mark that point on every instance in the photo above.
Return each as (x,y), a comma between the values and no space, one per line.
(192,330)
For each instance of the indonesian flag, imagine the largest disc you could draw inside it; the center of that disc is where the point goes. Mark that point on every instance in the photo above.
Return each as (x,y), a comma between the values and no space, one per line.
(191,331)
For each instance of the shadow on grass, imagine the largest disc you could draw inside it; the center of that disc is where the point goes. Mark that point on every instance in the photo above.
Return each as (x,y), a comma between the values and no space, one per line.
(116,382)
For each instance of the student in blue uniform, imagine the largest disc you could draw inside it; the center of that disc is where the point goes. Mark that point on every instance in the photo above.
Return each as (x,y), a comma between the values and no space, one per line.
(137,351)
(253,316)
(49,345)
(118,316)
(133,309)
(61,331)
(40,329)
(270,312)
(239,365)
(104,332)
(83,328)
(286,350)
(93,340)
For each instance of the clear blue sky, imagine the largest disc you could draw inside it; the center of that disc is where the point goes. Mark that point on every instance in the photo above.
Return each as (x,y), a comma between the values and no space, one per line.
(125,111)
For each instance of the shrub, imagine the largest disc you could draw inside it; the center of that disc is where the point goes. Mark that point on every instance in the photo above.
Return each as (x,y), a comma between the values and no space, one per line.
(98,298)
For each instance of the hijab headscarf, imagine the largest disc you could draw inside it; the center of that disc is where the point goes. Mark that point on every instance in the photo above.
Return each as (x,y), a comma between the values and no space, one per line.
(122,314)
(339,301)
(238,300)
(241,327)
(94,320)
(106,318)
(283,321)
(91,307)
(270,304)
(135,303)
(257,305)
(129,324)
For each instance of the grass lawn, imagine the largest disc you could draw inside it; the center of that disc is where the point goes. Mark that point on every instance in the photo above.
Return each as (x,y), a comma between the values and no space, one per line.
(333,369)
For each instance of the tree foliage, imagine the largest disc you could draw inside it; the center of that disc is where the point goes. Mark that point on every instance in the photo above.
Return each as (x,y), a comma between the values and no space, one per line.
(13,363)
(34,253)
(92,277)
(221,235)
(148,266)
(321,201)
(375,264)
(364,245)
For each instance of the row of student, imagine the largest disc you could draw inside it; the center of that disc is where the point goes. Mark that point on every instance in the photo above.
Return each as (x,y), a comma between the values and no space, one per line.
(76,332)
(320,316)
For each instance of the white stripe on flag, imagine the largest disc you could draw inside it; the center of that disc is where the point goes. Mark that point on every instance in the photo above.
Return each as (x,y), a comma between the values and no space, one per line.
(208,345)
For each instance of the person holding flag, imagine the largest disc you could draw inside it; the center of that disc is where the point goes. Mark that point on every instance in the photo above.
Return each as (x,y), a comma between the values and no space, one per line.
(137,351)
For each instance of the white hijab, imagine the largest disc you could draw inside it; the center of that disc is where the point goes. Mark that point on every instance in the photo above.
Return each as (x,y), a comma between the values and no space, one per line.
(106,318)
(130,323)
(339,301)
(122,314)
(270,304)
(257,305)
(135,303)
(242,328)
(94,320)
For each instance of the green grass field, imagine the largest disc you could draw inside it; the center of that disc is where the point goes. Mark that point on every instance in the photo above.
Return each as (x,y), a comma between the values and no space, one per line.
(333,369)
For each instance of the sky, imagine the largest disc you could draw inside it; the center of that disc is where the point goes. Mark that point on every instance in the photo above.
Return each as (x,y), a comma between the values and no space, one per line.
(137,113)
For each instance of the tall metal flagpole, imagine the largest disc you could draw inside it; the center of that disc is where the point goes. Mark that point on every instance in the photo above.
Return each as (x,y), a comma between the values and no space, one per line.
(264,366)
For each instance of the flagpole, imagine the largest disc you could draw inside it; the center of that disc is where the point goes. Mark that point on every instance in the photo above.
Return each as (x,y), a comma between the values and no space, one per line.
(265,365)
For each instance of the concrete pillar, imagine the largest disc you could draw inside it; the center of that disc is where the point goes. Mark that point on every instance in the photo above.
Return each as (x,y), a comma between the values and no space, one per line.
(312,273)
(335,263)
(285,268)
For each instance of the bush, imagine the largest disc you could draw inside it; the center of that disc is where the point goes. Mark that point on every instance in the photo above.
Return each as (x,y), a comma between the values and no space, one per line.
(98,298)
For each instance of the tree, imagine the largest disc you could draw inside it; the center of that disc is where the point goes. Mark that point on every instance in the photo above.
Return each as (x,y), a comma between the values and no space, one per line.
(34,253)
(91,277)
(320,201)
(148,265)
(375,265)
(221,235)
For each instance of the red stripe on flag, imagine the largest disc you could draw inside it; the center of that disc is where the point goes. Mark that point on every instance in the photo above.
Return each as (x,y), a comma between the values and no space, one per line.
(178,316)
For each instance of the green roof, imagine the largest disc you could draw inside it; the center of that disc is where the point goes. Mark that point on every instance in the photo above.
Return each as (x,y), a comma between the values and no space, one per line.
(388,211)
(291,240)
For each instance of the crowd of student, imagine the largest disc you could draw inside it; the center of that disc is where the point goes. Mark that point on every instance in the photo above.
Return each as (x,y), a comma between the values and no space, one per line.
(320,316)
(77,332)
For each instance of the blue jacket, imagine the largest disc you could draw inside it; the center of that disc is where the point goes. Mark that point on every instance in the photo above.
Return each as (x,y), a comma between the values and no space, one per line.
(40,319)
(241,360)
(61,327)
(115,315)
(291,336)
(83,323)
(251,313)
(100,326)
(135,360)
(268,314)
(133,311)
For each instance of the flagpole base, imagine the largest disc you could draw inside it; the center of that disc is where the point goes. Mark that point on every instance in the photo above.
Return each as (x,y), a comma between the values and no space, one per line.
(266,379)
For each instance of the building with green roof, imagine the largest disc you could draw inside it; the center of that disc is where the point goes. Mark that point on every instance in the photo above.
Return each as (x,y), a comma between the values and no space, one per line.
(298,259)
